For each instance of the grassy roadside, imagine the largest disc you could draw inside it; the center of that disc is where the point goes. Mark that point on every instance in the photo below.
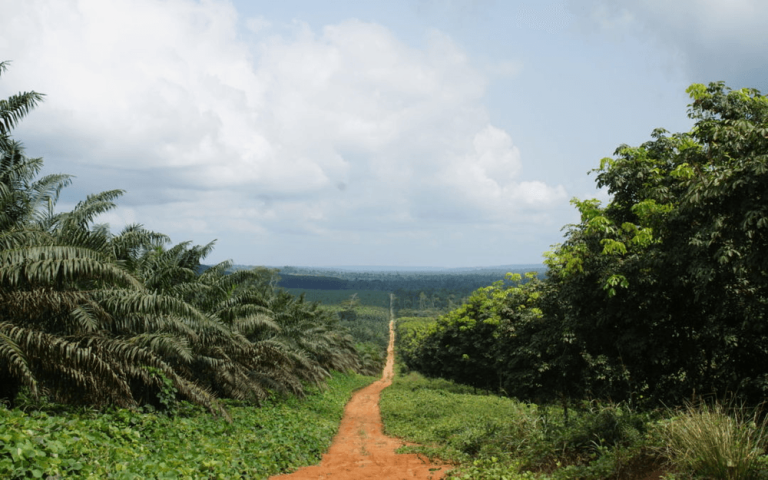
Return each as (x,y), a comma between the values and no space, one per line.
(488,437)
(123,444)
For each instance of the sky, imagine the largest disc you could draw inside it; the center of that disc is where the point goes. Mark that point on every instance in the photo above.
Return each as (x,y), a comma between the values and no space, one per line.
(443,133)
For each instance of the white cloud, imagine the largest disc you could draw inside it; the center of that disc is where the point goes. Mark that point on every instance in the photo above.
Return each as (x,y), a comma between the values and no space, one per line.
(314,132)
(257,24)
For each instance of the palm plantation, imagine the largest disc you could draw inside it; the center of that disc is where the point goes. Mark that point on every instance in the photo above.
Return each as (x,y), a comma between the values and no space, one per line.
(92,317)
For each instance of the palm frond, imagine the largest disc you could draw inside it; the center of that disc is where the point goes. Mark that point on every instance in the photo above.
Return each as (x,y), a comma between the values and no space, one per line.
(16,107)
(87,210)
(57,264)
(66,365)
(13,359)
(165,345)
(247,325)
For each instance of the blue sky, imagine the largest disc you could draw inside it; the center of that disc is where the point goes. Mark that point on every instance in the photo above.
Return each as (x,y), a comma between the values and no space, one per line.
(407,132)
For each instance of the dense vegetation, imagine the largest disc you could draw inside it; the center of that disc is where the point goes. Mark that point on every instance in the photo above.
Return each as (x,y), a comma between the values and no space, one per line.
(488,437)
(363,298)
(126,444)
(369,326)
(657,297)
(414,290)
(96,318)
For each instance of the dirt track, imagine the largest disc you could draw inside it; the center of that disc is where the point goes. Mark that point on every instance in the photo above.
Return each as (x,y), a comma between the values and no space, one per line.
(360,449)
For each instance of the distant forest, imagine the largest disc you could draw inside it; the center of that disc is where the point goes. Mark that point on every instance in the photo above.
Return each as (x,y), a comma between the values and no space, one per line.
(455,280)
(446,288)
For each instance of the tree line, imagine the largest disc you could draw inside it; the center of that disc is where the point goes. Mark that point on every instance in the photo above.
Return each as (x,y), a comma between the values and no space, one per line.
(416,293)
(91,317)
(459,282)
(657,297)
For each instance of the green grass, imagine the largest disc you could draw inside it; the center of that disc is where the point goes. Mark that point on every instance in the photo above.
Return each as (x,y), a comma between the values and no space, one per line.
(491,437)
(124,444)
(451,423)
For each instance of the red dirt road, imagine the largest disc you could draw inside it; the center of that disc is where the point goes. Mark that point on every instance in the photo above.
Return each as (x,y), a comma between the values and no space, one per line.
(360,449)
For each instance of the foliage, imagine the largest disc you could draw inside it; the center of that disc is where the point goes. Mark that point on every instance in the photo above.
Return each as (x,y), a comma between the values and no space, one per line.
(369,326)
(415,291)
(365,324)
(313,282)
(491,437)
(657,296)
(258,443)
(95,318)
(410,336)
(665,289)
(372,358)
(366,298)
(497,341)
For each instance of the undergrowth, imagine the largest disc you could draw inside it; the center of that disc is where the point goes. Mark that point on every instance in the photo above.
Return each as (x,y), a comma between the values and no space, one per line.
(717,441)
(123,444)
(489,437)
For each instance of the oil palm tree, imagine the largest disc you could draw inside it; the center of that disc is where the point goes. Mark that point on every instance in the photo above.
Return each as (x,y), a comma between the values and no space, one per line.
(69,311)
(87,316)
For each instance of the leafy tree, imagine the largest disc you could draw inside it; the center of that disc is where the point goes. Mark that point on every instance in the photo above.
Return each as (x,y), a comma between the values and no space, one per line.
(656,297)
(665,288)
(490,342)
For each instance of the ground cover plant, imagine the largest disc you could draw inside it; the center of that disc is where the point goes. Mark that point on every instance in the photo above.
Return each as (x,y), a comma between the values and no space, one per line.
(282,435)
(493,437)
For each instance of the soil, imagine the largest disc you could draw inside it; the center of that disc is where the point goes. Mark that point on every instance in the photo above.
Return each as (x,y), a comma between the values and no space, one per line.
(360,449)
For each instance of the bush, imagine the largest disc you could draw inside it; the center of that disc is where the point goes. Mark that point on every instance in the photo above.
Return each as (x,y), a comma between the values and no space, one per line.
(597,426)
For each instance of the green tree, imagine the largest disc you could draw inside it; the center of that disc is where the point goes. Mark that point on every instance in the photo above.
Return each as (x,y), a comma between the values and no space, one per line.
(657,296)
(664,290)
(493,341)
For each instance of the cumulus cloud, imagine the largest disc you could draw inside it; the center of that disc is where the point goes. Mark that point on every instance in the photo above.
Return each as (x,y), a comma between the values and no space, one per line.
(710,39)
(485,178)
(306,132)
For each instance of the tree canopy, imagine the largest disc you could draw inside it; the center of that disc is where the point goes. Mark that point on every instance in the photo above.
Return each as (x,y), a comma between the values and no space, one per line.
(661,294)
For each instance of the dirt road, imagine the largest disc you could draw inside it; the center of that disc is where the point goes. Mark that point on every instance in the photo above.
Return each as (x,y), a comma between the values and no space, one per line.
(360,449)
